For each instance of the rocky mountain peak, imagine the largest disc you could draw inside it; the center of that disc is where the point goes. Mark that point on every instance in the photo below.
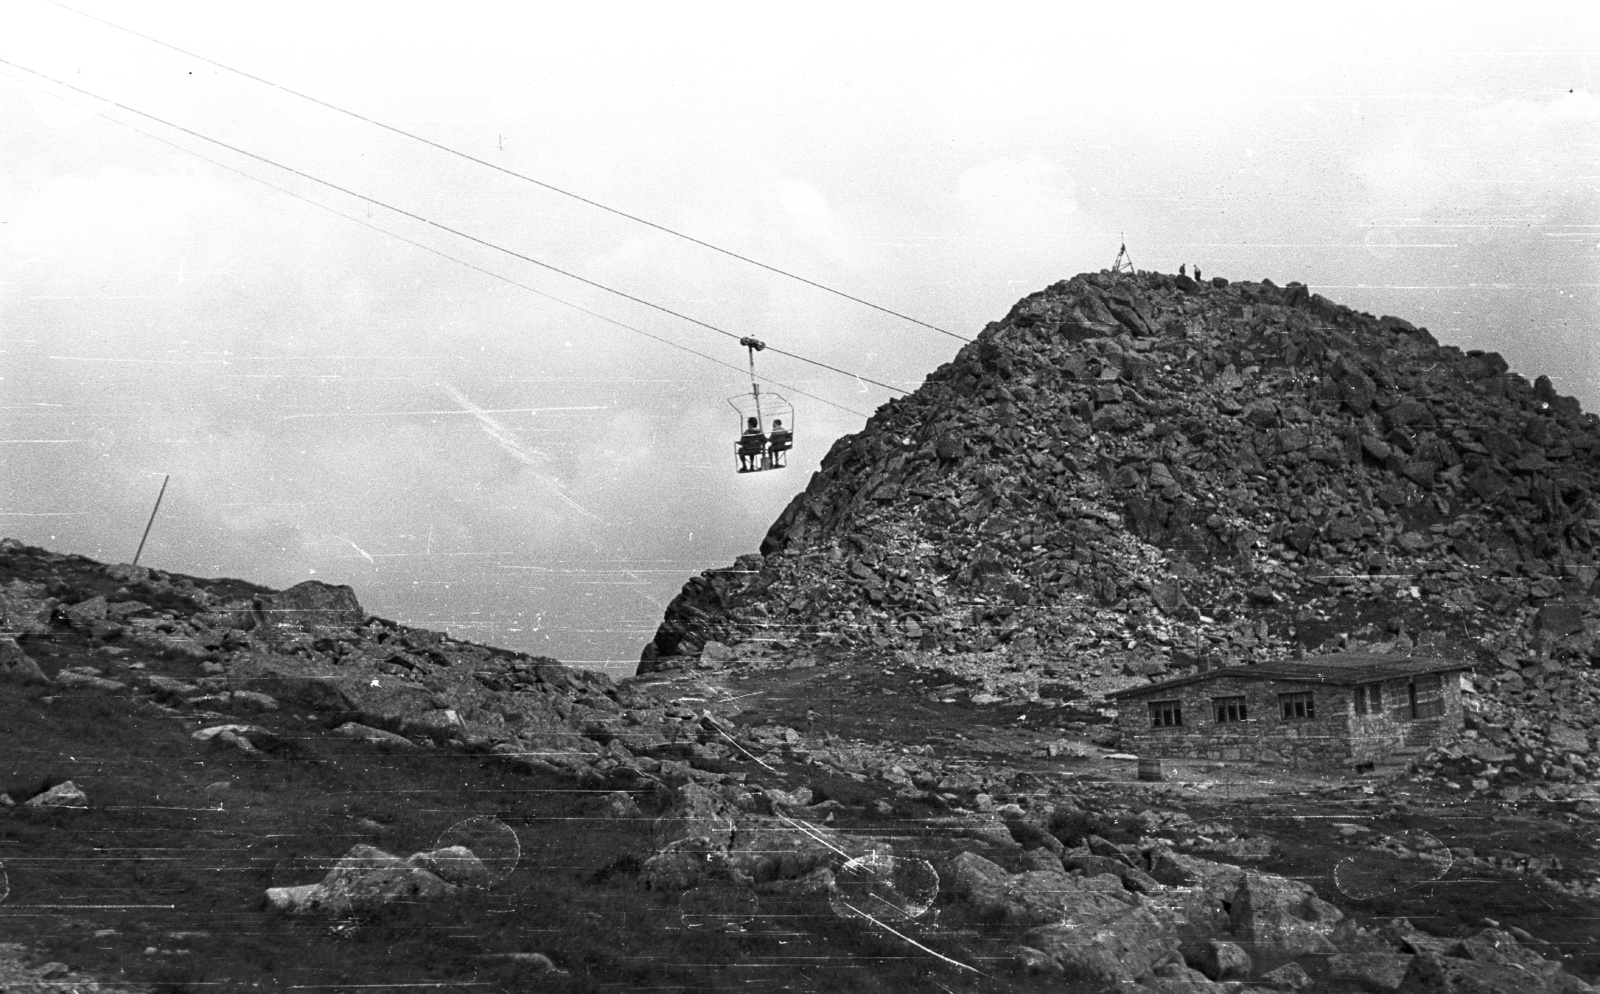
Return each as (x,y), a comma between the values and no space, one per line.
(1132,473)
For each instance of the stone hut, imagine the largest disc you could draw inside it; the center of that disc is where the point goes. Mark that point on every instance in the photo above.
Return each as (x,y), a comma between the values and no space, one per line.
(1326,711)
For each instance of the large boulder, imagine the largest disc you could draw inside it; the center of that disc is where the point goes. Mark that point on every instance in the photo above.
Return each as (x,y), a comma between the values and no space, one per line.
(63,795)
(767,849)
(1283,916)
(1384,971)
(1561,618)
(86,612)
(353,687)
(1494,947)
(17,666)
(1036,897)
(1108,942)
(697,812)
(24,609)
(455,865)
(1560,737)
(1435,973)
(371,891)
(366,879)
(313,605)
(674,870)
(1221,960)
(294,679)
(1202,894)
(373,736)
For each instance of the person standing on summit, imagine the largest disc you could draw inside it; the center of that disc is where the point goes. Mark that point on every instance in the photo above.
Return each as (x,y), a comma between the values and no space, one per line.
(1181,267)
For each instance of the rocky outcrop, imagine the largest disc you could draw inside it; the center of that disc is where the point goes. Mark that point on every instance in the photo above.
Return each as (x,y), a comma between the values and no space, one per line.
(314,606)
(1132,474)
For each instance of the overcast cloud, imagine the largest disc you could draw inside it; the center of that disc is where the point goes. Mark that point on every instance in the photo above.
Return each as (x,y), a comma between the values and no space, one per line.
(333,402)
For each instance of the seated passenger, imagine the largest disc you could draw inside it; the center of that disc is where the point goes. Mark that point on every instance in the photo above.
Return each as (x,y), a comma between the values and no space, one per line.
(751,444)
(781,441)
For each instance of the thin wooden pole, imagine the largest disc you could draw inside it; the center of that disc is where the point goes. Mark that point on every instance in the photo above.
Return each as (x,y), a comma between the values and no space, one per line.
(152,520)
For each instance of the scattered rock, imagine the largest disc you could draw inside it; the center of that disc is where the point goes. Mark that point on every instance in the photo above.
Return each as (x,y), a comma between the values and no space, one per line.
(17,666)
(455,865)
(1384,971)
(314,606)
(1220,960)
(24,610)
(538,962)
(89,677)
(1560,619)
(1282,915)
(1290,977)
(85,612)
(1036,961)
(250,700)
(367,878)
(673,871)
(376,736)
(715,655)
(1109,944)
(620,804)
(63,795)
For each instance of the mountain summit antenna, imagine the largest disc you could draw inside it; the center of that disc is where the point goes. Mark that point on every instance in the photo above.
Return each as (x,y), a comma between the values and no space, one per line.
(1123,262)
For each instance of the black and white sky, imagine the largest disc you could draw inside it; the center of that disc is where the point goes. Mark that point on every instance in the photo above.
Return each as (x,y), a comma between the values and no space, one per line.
(333,400)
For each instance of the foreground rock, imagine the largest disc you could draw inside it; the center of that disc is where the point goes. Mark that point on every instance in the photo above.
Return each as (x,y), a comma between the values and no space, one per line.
(366,879)
(62,795)
(715,834)
(17,666)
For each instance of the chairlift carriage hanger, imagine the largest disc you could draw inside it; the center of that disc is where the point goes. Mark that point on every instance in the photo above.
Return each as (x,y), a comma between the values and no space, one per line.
(758,448)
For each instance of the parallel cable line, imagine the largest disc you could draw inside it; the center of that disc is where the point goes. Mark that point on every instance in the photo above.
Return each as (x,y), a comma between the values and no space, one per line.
(438,224)
(742,371)
(512,173)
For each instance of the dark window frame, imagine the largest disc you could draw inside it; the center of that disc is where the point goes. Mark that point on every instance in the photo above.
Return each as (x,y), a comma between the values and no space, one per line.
(1369,698)
(1166,714)
(1432,706)
(1229,710)
(1299,705)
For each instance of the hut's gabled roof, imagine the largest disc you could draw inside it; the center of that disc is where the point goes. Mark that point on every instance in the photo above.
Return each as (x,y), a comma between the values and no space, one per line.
(1344,669)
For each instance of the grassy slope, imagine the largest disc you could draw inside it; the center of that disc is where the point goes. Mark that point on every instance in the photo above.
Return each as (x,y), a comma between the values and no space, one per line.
(185,838)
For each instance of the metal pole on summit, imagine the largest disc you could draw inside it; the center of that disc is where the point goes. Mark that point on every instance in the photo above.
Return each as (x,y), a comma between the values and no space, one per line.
(152,520)
(1123,263)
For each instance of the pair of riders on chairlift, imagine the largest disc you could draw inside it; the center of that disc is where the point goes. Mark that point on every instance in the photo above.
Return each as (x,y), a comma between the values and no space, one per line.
(754,443)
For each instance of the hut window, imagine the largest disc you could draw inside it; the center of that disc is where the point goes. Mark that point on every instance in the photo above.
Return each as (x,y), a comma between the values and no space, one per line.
(1165,714)
(1369,699)
(1297,707)
(1425,695)
(1228,709)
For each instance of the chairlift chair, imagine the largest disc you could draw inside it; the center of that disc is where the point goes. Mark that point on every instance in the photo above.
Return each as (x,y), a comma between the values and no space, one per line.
(766,423)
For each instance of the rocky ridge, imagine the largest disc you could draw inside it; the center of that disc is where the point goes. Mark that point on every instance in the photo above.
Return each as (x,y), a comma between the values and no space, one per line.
(1130,474)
